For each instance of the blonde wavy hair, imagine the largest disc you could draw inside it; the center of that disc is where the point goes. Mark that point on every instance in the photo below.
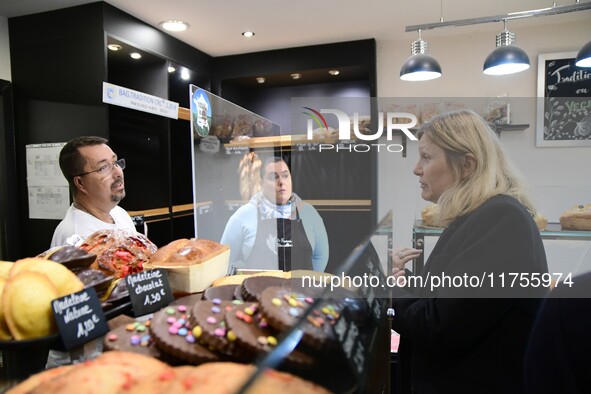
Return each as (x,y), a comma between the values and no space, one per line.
(462,132)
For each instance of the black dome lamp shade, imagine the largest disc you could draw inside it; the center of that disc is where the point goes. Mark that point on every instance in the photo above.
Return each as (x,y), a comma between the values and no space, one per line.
(506,58)
(419,66)
(584,56)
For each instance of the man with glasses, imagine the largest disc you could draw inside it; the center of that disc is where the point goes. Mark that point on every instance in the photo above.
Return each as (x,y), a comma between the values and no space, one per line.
(95,176)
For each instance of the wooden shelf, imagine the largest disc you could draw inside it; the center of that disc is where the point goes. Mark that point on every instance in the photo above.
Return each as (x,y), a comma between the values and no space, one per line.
(279,141)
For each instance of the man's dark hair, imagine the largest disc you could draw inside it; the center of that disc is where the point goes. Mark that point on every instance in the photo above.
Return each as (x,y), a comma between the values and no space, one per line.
(72,162)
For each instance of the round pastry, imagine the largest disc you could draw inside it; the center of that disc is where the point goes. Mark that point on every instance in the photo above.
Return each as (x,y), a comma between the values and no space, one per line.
(208,317)
(111,373)
(175,336)
(38,379)
(26,301)
(282,308)
(96,279)
(228,377)
(430,215)
(133,337)
(238,279)
(238,293)
(224,293)
(255,336)
(5,267)
(119,252)
(64,280)
(253,287)
(70,256)
(541,221)
(577,218)
(4,330)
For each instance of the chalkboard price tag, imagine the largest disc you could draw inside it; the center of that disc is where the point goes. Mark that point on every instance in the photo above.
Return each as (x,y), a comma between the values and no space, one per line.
(149,291)
(79,317)
(352,344)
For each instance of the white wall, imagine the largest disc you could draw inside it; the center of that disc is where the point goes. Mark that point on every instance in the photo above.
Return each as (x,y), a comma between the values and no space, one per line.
(558,177)
(4,50)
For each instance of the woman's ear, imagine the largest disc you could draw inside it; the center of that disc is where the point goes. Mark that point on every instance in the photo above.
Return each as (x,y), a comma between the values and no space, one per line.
(469,165)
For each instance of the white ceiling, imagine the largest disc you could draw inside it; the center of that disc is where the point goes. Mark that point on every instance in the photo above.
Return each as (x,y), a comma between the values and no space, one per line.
(216,25)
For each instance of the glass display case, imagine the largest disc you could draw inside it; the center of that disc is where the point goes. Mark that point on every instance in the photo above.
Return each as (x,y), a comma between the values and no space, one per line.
(567,251)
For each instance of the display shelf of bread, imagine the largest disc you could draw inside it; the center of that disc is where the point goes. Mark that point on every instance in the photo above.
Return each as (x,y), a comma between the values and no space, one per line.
(577,218)
(192,264)
(430,216)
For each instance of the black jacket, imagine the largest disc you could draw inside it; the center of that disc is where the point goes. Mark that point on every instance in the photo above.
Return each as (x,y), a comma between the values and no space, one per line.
(460,340)
(559,354)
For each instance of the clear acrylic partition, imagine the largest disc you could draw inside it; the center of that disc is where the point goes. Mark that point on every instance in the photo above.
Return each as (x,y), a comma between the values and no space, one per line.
(223,180)
(360,363)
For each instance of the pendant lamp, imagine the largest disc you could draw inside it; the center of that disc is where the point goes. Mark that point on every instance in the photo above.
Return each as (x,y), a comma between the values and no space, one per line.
(506,58)
(419,66)
(584,56)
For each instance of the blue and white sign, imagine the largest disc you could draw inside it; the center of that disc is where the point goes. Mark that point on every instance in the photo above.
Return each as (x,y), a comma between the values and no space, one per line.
(129,98)
(200,112)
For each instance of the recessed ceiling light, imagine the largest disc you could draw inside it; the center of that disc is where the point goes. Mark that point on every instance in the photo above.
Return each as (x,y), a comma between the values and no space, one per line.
(185,74)
(334,72)
(135,55)
(296,76)
(174,25)
(261,79)
(171,69)
(248,34)
(114,47)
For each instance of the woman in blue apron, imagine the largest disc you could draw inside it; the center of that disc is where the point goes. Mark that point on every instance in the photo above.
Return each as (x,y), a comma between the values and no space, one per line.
(276,230)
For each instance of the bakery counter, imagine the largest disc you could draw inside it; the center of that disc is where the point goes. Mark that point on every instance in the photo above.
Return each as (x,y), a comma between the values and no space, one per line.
(576,241)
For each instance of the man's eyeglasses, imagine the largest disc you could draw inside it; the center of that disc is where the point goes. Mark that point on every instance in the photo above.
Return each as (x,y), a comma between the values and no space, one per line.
(107,168)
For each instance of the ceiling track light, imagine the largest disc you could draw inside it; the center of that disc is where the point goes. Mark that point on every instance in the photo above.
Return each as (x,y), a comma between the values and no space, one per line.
(506,58)
(504,48)
(420,66)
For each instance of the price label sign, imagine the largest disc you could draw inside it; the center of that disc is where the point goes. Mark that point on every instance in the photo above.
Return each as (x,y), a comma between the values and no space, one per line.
(79,318)
(352,343)
(149,291)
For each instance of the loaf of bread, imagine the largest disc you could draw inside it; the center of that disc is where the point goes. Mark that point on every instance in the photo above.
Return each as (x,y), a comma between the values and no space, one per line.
(186,252)
(430,215)
(119,252)
(577,218)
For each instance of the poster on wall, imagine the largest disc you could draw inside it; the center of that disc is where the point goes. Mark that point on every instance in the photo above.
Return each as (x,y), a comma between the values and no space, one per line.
(563,101)
(48,191)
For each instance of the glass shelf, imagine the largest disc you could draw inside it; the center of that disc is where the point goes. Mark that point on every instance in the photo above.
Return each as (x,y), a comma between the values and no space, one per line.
(552,231)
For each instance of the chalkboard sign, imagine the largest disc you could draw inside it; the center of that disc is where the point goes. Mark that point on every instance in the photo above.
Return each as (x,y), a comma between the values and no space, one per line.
(149,291)
(355,346)
(79,318)
(564,101)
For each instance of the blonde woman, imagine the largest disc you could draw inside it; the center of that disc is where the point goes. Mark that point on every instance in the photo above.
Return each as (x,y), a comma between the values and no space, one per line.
(469,334)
